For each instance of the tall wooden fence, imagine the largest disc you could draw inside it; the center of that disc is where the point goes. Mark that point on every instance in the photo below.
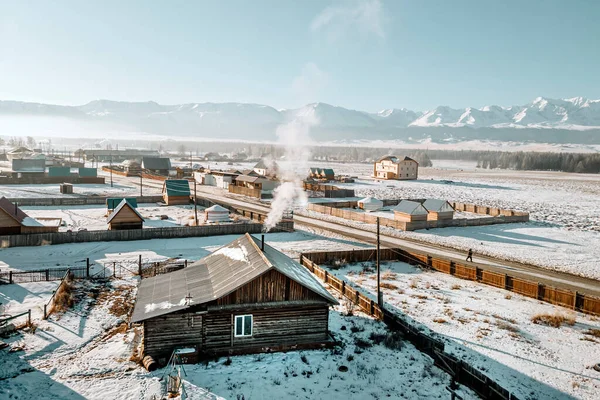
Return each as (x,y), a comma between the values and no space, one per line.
(39,239)
(559,296)
(460,370)
(76,201)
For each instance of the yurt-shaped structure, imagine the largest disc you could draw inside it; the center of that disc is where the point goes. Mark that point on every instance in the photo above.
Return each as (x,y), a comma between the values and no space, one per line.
(370,204)
(216,213)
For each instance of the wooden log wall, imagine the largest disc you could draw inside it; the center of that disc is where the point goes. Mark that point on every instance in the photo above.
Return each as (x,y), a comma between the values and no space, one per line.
(163,334)
(559,296)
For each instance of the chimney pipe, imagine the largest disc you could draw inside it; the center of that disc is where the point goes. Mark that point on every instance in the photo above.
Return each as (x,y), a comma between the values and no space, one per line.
(262,242)
(15,209)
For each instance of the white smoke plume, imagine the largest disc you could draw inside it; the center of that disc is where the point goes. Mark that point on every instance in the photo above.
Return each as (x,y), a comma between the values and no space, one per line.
(295,136)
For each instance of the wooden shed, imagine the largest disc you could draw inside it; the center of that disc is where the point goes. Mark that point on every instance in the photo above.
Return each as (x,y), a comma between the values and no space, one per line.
(124,216)
(176,191)
(410,211)
(438,209)
(14,221)
(245,297)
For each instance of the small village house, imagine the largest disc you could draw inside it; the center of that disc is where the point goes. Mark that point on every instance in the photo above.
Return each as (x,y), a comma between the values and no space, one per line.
(410,211)
(132,167)
(220,179)
(392,167)
(438,210)
(13,221)
(176,191)
(157,165)
(245,297)
(215,214)
(370,204)
(269,169)
(124,216)
(19,153)
(321,174)
(113,202)
(31,167)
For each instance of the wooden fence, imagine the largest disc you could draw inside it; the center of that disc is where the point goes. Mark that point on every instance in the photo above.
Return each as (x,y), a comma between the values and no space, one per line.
(76,201)
(40,275)
(39,239)
(559,296)
(460,370)
(5,327)
(499,217)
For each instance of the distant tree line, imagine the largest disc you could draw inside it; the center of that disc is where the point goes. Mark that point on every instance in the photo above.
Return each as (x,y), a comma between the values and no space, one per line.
(534,161)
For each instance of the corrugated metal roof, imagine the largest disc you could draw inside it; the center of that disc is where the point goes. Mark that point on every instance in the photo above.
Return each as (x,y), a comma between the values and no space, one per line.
(247,178)
(410,207)
(436,205)
(217,275)
(113,202)
(123,203)
(177,187)
(371,200)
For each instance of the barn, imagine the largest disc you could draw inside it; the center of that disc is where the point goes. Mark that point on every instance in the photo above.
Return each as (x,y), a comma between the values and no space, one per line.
(438,209)
(124,216)
(410,211)
(245,297)
(176,191)
(14,221)
(370,204)
(157,165)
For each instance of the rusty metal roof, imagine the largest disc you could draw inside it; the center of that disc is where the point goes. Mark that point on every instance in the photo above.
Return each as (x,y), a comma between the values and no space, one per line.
(217,275)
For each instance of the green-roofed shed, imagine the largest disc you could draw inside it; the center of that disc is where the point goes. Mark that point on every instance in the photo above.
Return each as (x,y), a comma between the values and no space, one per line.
(113,202)
(176,191)
(88,172)
(59,171)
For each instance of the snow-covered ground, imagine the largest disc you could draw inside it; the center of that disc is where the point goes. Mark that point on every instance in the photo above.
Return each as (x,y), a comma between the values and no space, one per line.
(89,352)
(93,217)
(492,329)
(20,297)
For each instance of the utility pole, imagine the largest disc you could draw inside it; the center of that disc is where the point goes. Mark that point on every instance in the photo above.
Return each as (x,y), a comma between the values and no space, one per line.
(195,203)
(190,160)
(141,184)
(110,167)
(379,294)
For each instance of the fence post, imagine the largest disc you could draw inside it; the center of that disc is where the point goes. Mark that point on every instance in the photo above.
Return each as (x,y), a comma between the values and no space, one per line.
(372,307)
(429,261)
(539,291)
(344,288)
(506,286)
(87,267)
(47,274)
(10,277)
(478,274)
(114,269)
(575,300)
(29,317)
(45,312)
(326,275)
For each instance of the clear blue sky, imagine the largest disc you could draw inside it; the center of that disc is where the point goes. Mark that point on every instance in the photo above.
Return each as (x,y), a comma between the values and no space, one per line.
(366,55)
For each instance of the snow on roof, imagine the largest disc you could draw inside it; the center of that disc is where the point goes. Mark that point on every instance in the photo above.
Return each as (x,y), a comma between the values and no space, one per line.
(371,200)
(217,275)
(436,205)
(410,207)
(217,208)
(123,203)
(28,221)
(12,210)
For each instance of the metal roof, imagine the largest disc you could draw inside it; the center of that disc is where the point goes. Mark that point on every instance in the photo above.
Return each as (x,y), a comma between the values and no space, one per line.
(217,275)
(29,165)
(435,205)
(395,159)
(156,163)
(248,178)
(217,208)
(113,202)
(177,187)
(410,207)
(123,203)
(371,200)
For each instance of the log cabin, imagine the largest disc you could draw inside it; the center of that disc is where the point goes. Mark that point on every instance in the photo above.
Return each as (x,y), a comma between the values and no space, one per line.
(124,216)
(245,297)
(176,191)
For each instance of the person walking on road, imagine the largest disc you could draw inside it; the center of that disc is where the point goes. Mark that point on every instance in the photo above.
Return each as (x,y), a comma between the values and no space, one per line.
(470,255)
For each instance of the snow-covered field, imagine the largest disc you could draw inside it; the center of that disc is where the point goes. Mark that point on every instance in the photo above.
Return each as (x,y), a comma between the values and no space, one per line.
(18,298)
(89,352)
(492,329)
(93,217)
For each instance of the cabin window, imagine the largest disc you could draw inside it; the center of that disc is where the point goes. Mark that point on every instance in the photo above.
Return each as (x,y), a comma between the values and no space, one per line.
(243,325)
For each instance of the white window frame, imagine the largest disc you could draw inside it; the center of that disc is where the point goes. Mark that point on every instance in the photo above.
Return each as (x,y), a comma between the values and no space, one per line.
(243,334)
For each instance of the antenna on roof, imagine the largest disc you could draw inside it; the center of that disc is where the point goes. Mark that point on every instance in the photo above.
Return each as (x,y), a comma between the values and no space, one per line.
(262,242)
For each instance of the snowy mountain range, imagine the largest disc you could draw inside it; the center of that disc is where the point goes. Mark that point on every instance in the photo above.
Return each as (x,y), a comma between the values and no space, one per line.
(241,120)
